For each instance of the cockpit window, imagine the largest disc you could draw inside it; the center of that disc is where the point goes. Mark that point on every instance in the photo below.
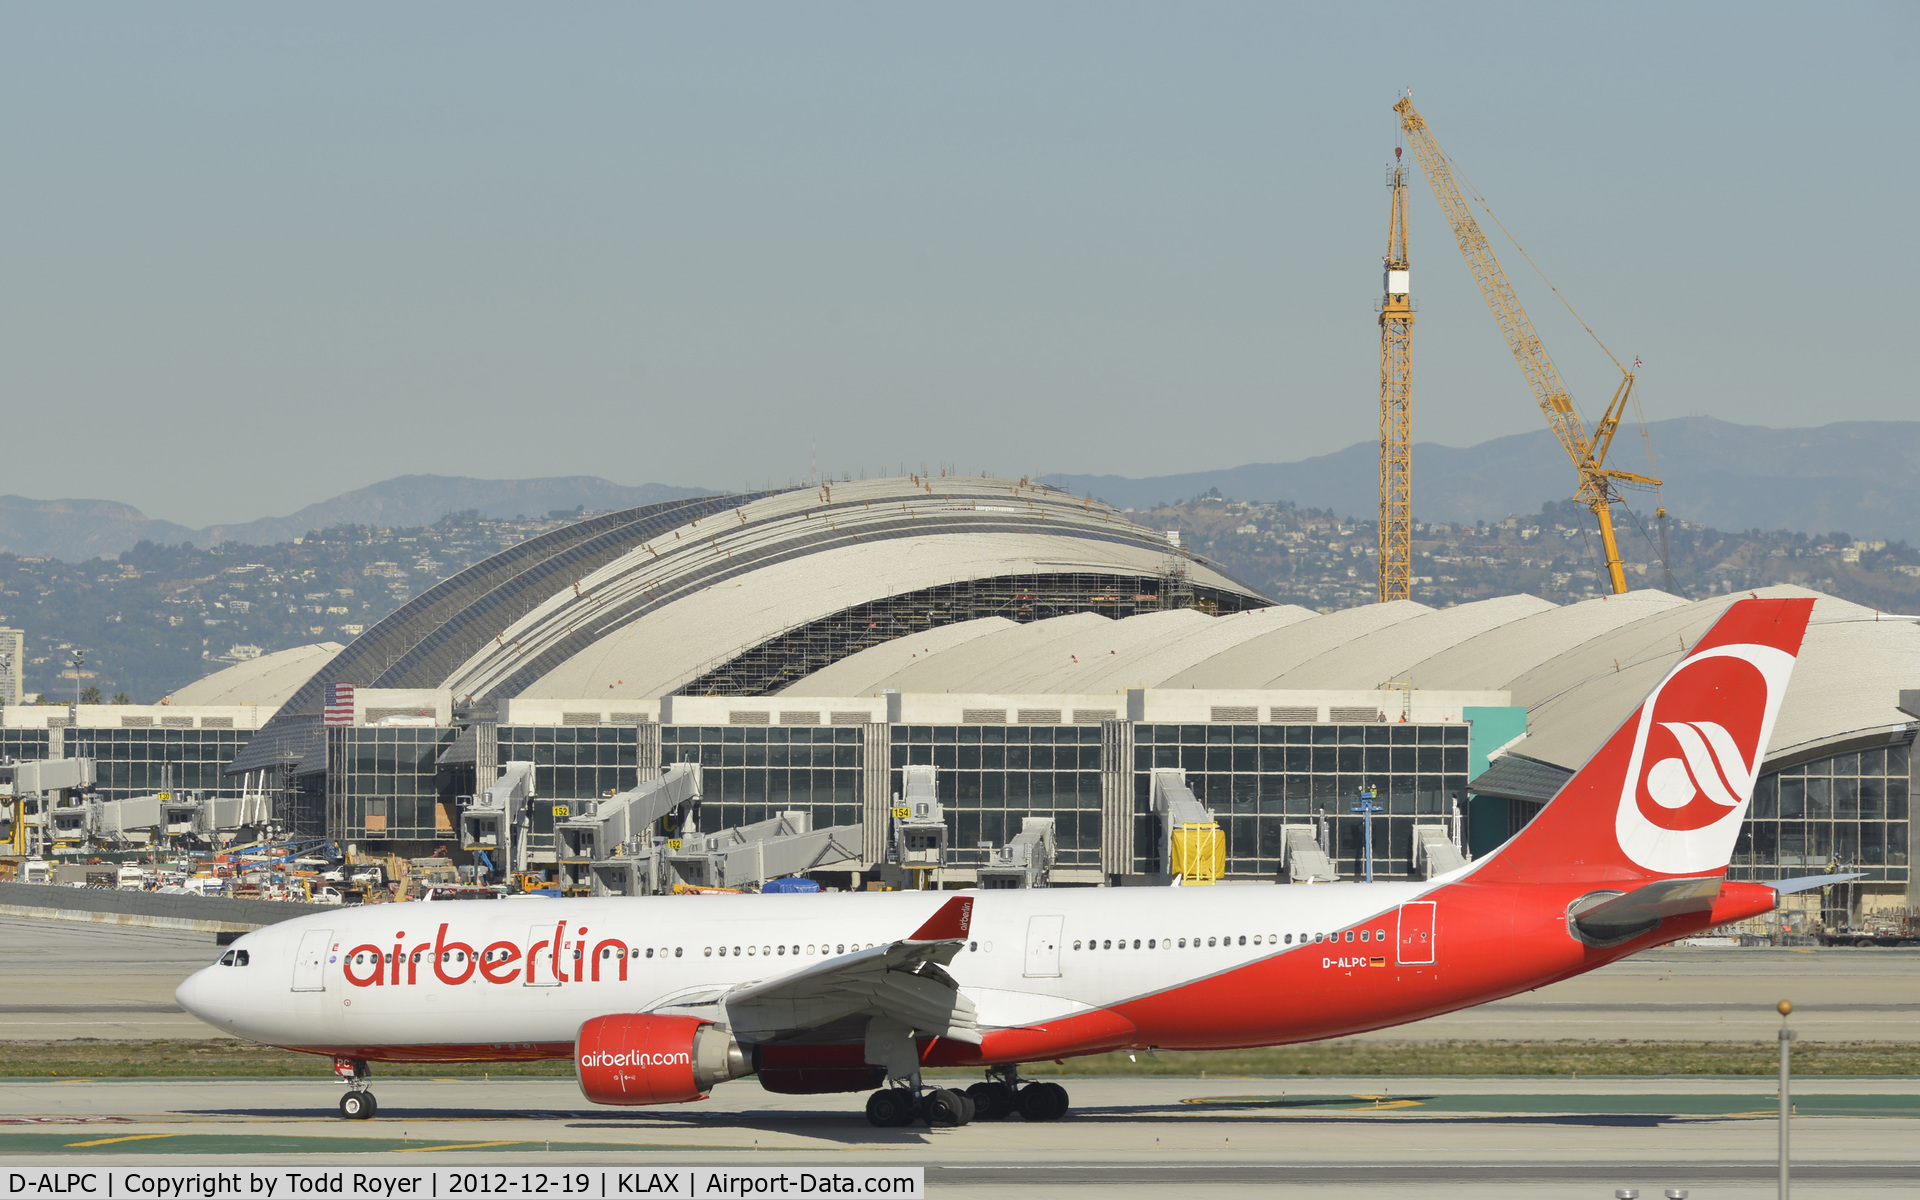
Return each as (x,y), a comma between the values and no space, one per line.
(226,960)
(241,958)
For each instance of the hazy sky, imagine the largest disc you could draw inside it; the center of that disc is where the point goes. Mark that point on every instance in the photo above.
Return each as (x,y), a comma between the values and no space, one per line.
(252,256)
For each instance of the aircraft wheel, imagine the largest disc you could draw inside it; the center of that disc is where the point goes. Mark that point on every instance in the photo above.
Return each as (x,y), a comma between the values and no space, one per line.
(945,1107)
(1043,1102)
(358,1106)
(1060,1094)
(890,1107)
(992,1101)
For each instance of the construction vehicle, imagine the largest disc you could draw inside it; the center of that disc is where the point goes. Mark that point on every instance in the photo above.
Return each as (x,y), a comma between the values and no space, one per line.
(1599,484)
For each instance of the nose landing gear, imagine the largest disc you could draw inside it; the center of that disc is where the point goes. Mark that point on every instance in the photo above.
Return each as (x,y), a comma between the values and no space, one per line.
(358,1104)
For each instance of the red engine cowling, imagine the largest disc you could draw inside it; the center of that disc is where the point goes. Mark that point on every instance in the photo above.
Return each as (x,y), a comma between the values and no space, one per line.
(636,1058)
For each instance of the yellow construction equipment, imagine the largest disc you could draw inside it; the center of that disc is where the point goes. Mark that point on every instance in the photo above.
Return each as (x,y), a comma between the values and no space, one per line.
(1599,484)
(1396,401)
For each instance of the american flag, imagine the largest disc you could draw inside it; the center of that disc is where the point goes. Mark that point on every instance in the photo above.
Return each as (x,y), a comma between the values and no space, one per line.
(339,705)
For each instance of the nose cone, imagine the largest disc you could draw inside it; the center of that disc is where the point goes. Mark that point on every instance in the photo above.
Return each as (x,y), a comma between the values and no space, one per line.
(199,993)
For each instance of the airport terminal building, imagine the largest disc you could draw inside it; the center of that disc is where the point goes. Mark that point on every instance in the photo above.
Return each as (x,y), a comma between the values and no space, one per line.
(1046,656)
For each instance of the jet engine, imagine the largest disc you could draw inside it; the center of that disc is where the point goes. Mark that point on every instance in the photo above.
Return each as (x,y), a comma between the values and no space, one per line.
(638,1058)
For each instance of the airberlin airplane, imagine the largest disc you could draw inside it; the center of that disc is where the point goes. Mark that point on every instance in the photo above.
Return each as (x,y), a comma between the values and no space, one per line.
(657,1000)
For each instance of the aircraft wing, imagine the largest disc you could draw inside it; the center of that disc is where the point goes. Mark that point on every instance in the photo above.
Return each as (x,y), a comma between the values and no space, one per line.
(902,982)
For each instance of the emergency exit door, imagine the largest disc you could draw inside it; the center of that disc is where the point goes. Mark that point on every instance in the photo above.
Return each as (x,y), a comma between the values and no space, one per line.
(1416,933)
(1043,946)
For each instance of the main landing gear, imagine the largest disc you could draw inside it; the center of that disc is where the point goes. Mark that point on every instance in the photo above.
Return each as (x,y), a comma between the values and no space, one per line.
(358,1104)
(1002,1095)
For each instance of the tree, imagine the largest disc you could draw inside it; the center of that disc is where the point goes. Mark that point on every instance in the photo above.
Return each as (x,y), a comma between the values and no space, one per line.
(91,695)
(121,698)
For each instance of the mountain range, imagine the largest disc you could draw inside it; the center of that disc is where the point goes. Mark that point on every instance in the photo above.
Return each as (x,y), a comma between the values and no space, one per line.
(76,530)
(1861,477)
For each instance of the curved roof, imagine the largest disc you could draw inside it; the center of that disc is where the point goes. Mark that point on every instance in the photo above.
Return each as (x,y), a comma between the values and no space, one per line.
(673,596)
(867,672)
(266,681)
(1579,670)
(1846,683)
(1258,662)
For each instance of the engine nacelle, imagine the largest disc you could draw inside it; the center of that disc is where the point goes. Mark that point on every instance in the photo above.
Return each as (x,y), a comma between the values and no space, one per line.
(638,1058)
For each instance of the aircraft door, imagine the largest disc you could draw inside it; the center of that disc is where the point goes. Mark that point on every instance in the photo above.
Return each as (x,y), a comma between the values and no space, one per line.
(310,961)
(1043,946)
(542,955)
(1416,933)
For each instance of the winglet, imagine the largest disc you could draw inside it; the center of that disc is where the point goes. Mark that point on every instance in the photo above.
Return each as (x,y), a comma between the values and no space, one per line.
(950,923)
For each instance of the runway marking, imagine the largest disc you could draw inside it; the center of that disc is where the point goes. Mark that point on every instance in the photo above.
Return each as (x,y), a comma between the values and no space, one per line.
(462,1146)
(132,1137)
(1674,1105)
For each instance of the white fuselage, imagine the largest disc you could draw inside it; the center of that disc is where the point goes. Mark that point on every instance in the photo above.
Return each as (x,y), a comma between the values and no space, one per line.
(1030,955)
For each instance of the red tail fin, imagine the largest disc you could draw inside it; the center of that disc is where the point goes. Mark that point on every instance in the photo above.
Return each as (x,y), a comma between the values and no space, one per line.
(1666,794)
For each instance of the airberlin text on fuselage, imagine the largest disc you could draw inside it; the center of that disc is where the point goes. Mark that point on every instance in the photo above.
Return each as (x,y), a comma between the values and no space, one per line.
(501,962)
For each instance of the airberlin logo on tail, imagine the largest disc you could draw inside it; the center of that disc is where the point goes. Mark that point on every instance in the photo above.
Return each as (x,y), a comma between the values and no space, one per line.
(1696,750)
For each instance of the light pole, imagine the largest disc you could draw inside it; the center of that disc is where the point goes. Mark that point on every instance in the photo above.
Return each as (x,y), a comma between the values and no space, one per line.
(1786,1097)
(79,661)
(1368,804)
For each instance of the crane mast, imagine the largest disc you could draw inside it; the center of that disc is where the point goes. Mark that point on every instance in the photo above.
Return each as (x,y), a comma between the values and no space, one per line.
(1599,484)
(1396,401)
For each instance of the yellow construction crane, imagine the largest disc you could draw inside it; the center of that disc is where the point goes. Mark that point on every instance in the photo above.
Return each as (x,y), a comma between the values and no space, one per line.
(1599,484)
(1396,401)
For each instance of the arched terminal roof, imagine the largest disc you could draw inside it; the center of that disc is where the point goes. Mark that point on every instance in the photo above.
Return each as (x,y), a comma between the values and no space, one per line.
(267,681)
(747,594)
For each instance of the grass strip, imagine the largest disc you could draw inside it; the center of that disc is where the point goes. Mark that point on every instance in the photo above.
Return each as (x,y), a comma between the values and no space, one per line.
(216,1057)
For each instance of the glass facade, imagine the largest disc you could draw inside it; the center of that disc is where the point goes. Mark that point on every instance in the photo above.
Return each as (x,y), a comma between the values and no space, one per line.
(751,773)
(387,783)
(570,762)
(1849,812)
(990,776)
(1257,778)
(140,762)
(23,745)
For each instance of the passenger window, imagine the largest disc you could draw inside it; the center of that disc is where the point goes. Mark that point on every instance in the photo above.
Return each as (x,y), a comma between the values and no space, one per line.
(1363,935)
(1319,937)
(973,946)
(1289,939)
(1243,939)
(809,948)
(839,948)
(709,951)
(676,952)
(649,951)
(1209,941)
(1149,943)
(1379,935)
(1349,935)
(1183,943)
(1136,943)
(1256,939)
(749,949)
(970,945)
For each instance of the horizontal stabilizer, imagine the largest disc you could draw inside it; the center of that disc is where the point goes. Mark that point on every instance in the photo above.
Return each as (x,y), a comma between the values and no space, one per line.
(1807,883)
(1645,907)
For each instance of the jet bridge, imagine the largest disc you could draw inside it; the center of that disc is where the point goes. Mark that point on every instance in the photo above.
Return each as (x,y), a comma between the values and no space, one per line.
(495,821)
(1304,855)
(1192,844)
(919,841)
(1437,848)
(749,855)
(40,804)
(615,838)
(1025,861)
